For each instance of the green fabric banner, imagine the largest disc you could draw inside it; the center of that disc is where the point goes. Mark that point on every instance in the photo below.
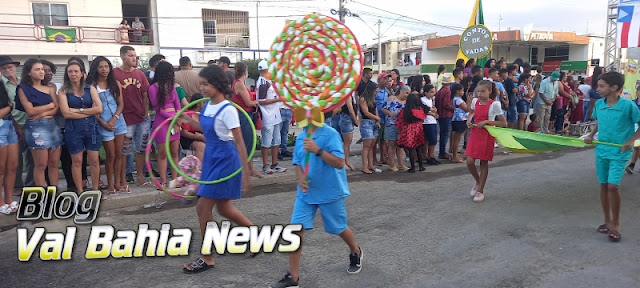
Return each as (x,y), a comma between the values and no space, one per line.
(67,35)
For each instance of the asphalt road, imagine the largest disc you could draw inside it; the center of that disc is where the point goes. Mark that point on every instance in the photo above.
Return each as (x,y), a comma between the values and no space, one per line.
(536,228)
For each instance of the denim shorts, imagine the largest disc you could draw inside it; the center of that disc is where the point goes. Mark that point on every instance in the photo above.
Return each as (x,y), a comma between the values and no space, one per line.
(342,123)
(270,135)
(334,215)
(391,132)
(8,134)
(368,129)
(42,134)
(121,128)
(523,107)
(431,133)
(82,134)
(139,135)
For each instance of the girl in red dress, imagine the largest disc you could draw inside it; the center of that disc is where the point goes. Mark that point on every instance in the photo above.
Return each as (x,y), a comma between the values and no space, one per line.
(411,134)
(481,144)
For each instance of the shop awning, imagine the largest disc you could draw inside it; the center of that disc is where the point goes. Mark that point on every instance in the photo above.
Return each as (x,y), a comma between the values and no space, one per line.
(574,65)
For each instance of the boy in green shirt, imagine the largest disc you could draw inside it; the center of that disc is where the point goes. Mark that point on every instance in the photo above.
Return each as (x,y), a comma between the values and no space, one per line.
(616,124)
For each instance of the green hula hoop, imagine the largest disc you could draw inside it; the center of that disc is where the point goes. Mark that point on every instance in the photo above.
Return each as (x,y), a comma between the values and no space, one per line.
(168,147)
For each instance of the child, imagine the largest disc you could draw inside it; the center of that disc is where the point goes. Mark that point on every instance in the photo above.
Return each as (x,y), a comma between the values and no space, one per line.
(484,110)
(533,127)
(458,123)
(430,124)
(616,118)
(411,136)
(636,150)
(326,190)
(220,124)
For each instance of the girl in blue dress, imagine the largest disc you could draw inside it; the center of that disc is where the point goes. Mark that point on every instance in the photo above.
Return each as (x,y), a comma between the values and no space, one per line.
(220,123)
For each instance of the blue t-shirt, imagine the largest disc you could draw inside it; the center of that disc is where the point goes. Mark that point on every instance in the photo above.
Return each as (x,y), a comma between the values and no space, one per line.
(593,94)
(326,183)
(381,97)
(509,86)
(615,125)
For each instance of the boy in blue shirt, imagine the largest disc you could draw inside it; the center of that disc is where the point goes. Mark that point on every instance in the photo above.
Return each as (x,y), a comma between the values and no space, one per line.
(616,118)
(326,190)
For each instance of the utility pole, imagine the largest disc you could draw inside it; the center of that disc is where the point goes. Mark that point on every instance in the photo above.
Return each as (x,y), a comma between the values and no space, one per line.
(379,48)
(499,22)
(341,11)
(257,29)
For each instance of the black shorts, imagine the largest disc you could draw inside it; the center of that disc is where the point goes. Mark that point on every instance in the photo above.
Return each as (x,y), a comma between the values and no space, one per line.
(458,126)
(186,142)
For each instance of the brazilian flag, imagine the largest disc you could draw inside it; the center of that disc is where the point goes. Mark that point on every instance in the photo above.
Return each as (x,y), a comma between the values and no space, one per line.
(67,35)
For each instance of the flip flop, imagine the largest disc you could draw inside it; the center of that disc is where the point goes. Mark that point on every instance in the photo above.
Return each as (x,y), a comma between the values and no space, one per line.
(146,184)
(197,266)
(614,236)
(257,175)
(604,228)
(365,172)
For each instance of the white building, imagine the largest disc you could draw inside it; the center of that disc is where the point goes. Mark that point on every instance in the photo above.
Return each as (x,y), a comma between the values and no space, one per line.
(26,24)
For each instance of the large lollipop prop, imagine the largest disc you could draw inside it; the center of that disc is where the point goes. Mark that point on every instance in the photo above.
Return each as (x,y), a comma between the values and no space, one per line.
(315,65)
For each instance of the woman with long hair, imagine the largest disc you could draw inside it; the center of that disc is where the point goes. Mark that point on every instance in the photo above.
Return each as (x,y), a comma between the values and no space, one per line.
(220,123)
(441,70)
(369,126)
(79,103)
(417,82)
(593,93)
(577,112)
(468,66)
(411,135)
(242,97)
(124,31)
(112,125)
(9,151)
(41,130)
(164,100)
(391,109)
(487,66)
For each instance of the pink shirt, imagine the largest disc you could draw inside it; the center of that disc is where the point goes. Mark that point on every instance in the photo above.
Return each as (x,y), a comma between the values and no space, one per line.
(171,101)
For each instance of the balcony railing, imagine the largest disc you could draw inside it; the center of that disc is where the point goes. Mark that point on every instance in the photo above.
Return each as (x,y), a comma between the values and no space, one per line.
(226,40)
(84,34)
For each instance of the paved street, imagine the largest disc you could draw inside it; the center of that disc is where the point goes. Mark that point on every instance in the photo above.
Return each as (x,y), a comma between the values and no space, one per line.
(536,228)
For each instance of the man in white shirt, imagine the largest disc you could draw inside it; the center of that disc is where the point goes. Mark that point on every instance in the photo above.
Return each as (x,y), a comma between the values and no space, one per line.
(270,105)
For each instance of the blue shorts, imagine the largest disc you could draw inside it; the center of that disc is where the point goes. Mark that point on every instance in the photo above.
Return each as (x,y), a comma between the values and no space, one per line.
(368,129)
(342,123)
(81,135)
(334,215)
(523,107)
(391,132)
(42,134)
(610,171)
(121,128)
(430,133)
(512,114)
(139,135)
(270,135)
(8,134)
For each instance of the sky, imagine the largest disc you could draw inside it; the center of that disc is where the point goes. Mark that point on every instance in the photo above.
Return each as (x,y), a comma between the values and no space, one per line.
(580,16)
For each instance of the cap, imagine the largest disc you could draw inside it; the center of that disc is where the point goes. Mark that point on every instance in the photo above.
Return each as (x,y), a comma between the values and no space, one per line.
(446,80)
(263,65)
(225,59)
(555,75)
(383,74)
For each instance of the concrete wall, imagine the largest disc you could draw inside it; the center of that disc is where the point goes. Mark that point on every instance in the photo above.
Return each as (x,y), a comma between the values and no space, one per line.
(578,52)
(511,53)
(446,55)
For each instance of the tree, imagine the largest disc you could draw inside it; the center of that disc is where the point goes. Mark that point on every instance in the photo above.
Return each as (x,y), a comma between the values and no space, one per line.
(252,67)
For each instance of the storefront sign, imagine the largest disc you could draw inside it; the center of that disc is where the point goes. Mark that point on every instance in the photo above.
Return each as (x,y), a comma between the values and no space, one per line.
(476,42)
(574,66)
(551,65)
(530,35)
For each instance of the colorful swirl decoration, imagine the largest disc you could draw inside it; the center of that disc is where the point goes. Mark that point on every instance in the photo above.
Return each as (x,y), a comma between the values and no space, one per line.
(315,65)
(316,62)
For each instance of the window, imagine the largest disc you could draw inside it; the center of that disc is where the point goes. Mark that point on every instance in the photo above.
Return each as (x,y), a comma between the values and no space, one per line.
(560,53)
(534,55)
(209,27)
(50,14)
(225,28)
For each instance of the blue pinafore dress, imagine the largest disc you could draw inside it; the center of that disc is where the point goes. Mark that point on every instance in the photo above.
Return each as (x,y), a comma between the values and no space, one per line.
(220,160)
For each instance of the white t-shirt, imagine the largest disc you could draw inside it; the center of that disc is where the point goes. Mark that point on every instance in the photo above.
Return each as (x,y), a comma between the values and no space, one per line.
(494,110)
(584,88)
(226,120)
(429,102)
(270,112)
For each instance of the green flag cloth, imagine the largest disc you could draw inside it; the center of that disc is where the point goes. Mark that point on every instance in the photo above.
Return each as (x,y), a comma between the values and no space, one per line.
(67,35)
(528,142)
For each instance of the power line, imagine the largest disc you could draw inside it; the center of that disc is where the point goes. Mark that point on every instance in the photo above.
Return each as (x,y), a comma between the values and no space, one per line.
(418,20)
(156,17)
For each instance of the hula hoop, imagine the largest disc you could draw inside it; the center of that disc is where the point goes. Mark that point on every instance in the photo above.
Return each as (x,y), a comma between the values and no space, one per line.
(147,161)
(175,167)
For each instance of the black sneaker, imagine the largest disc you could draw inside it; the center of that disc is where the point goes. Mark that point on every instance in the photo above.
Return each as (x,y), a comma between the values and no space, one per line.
(286,282)
(431,161)
(355,262)
(287,154)
(130,179)
(280,157)
(435,161)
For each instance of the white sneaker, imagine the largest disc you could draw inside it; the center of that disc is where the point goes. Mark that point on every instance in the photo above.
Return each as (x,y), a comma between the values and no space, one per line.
(377,170)
(474,190)
(266,169)
(5,209)
(479,197)
(14,206)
